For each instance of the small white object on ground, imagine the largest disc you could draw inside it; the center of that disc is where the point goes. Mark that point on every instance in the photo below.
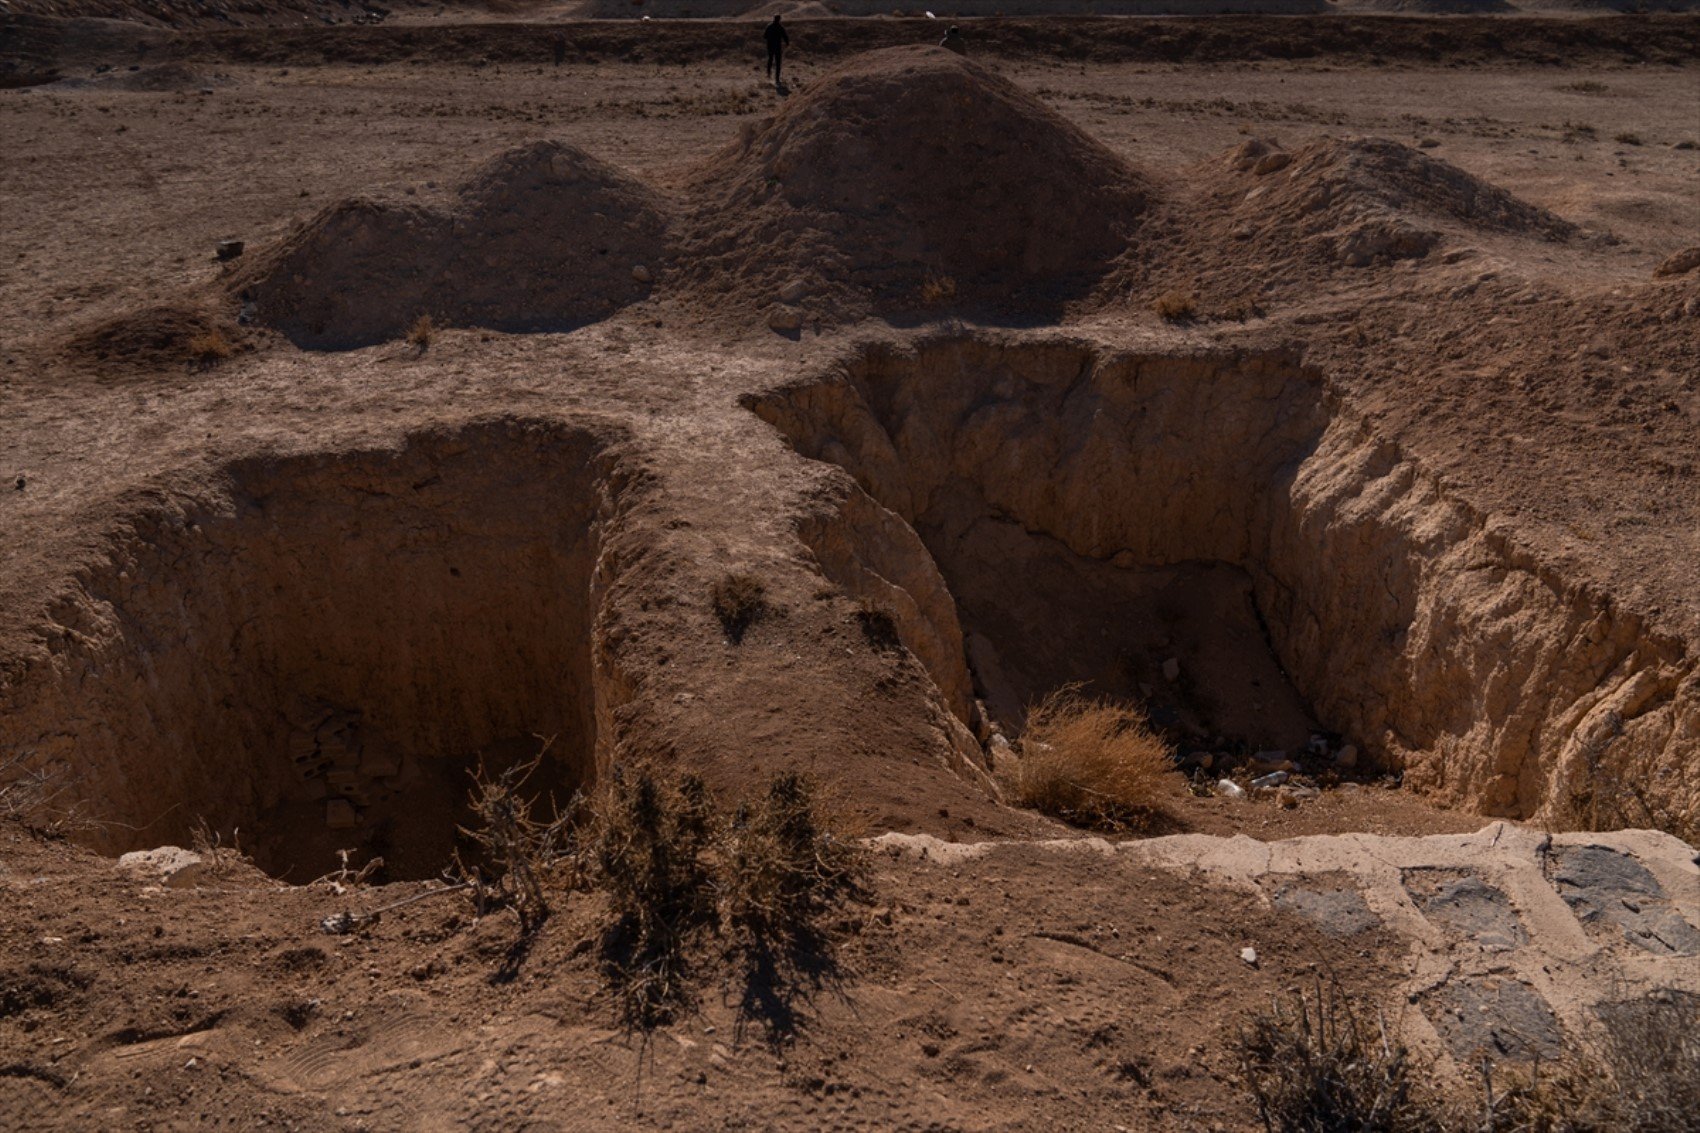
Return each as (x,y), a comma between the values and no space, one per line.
(1249,955)
(1273,779)
(1229,789)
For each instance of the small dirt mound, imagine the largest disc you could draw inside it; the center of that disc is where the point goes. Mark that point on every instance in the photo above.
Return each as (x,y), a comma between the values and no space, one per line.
(1367,200)
(154,338)
(541,238)
(907,178)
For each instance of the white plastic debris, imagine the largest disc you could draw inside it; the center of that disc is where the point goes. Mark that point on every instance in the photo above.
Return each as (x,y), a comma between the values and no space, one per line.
(1273,779)
(1249,955)
(1229,789)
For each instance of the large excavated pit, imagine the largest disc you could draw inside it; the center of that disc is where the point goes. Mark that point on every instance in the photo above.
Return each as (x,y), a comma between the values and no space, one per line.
(313,656)
(1211,535)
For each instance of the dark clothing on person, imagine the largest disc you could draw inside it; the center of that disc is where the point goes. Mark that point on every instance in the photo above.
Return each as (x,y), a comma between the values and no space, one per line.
(953,41)
(777,40)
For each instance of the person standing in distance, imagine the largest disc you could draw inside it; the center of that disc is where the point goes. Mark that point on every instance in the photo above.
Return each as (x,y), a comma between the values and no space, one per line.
(777,40)
(953,41)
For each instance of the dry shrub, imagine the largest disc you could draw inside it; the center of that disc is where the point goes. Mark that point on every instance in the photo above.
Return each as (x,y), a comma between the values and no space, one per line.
(1176,306)
(1319,1065)
(937,289)
(520,848)
(210,347)
(1093,762)
(678,871)
(649,847)
(422,334)
(739,602)
(1645,1077)
(879,627)
(781,866)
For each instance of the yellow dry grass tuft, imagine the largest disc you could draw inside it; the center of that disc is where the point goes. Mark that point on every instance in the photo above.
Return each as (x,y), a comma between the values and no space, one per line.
(1093,762)
(210,347)
(1176,306)
(937,289)
(423,333)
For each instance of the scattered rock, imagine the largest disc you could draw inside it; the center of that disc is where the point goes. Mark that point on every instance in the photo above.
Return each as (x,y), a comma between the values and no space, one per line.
(1249,955)
(1347,756)
(784,320)
(168,865)
(642,274)
(229,249)
(793,291)
(1272,163)
(340,815)
(1171,670)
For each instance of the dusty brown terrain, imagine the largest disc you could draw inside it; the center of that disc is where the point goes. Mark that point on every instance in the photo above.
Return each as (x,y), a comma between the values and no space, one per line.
(1326,387)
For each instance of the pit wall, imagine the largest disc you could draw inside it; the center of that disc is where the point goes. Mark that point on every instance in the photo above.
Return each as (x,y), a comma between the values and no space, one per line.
(373,608)
(1406,619)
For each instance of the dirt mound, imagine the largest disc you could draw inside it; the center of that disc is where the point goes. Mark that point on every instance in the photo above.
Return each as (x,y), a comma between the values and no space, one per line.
(1361,201)
(171,335)
(887,183)
(541,238)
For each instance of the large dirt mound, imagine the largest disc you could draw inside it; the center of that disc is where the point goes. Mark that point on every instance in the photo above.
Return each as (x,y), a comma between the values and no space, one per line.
(1361,201)
(911,175)
(541,238)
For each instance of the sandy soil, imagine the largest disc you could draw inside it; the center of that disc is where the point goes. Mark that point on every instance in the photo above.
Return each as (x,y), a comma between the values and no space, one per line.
(213,562)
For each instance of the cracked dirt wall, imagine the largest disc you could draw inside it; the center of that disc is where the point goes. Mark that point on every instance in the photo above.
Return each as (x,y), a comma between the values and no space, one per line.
(314,649)
(1406,619)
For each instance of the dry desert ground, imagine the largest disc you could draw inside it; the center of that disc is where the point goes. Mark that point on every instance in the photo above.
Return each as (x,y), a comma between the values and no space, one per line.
(549,582)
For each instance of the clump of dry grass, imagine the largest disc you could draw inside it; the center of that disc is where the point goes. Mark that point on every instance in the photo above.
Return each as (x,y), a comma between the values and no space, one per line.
(1093,762)
(1318,1064)
(739,600)
(1176,306)
(210,347)
(422,334)
(937,289)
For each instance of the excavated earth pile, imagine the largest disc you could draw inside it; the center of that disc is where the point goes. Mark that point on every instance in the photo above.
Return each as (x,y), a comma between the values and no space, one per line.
(886,185)
(1362,201)
(541,238)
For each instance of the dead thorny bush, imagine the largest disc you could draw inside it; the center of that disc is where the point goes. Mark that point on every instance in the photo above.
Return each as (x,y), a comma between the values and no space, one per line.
(678,871)
(739,602)
(209,844)
(30,794)
(520,848)
(779,866)
(650,842)
(1093,762)
(1319,1064)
